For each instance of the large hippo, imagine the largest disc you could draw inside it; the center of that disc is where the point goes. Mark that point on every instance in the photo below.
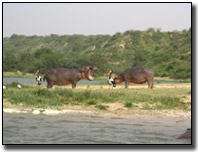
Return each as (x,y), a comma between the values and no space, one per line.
(137,75)
(64,76)
(186,135)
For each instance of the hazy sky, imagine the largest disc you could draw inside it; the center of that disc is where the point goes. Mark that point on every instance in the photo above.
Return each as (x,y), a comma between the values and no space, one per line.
(94,18)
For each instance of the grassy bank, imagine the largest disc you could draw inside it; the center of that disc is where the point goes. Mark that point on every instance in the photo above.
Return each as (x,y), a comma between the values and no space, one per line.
(18,74)
(100,97)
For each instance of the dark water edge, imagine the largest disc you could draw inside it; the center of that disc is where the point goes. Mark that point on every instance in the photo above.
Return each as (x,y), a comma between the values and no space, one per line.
(84,129)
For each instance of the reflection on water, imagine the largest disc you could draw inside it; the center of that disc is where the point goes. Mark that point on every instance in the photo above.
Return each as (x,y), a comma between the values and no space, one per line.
(82,129)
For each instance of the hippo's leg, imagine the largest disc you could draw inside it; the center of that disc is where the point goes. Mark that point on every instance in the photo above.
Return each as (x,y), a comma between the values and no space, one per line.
(126,84)
(49,85)
(150,84)
(73,85)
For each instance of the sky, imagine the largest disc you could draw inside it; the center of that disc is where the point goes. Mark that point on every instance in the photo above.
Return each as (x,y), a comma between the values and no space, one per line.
(92,18)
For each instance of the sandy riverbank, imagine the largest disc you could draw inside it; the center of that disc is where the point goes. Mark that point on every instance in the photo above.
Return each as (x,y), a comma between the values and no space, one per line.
(115,110)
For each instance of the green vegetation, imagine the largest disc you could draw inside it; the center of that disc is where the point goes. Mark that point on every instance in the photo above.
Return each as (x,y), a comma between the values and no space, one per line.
(167,53)
(128,104)
(18,74)
(102,107)
(146,99)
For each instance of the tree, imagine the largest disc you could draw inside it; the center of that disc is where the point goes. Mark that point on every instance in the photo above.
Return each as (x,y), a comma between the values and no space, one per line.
(9,62)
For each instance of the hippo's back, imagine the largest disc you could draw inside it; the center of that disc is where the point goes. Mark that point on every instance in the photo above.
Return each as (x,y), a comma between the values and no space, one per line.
(61,74)
(137,73)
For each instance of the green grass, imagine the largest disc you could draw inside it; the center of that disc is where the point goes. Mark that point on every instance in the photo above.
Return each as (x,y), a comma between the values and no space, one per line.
(91,102)
(18,74)
(128,104)
(102,107)
(150,99)
(13,85)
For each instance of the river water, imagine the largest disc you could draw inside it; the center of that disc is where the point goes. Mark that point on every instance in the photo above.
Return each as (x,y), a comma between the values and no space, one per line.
(84,129)
(33,81)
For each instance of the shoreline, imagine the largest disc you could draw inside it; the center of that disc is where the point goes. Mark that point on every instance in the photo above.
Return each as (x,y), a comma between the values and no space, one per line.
(118,113)
(115,109)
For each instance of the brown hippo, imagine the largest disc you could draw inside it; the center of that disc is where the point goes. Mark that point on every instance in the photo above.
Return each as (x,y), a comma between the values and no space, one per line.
(186,135)
(137,75)
(63,76)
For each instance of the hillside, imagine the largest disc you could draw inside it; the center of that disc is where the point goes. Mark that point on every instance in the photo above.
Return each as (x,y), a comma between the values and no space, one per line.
(167,53)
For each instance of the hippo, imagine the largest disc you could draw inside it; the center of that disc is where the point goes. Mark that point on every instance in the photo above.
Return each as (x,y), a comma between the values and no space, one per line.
(64,76)
(137,75)
(186,135)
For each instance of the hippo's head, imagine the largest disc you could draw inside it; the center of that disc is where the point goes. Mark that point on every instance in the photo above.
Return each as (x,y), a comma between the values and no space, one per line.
(118,79)
(87,72)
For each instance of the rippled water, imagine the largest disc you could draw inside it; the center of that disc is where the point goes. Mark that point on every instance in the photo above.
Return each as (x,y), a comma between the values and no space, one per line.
(82,129)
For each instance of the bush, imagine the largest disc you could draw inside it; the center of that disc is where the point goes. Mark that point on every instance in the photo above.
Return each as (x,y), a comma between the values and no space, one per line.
(102,107)
(92,102)
(128,104)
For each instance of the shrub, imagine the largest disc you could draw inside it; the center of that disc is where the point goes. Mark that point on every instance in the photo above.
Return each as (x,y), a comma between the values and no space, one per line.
(128,104)
(102,107)
(91,102)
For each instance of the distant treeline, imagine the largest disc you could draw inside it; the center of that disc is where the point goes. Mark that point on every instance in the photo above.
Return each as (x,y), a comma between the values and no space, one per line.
(166,53)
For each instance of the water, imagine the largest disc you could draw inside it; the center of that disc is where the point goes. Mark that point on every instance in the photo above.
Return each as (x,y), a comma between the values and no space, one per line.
(33,81)
(83,129)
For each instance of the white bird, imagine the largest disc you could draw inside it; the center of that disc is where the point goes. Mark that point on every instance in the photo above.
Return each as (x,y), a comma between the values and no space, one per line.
(18,85)
(4,87)
(111,80)
(38,77)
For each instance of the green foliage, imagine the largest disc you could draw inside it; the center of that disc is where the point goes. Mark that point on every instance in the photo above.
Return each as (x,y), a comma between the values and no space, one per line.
(128,104)
(9,62)
(166,53)
(101,107)
(91,102)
